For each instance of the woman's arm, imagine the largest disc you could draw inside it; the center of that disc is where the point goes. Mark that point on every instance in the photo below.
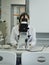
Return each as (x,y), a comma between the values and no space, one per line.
(32,39)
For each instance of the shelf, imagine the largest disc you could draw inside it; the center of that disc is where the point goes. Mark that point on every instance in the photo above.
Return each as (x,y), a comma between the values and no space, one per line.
(16,14)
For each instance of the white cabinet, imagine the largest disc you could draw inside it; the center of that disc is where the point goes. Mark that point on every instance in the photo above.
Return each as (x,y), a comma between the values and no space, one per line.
(31,58)
(7,58)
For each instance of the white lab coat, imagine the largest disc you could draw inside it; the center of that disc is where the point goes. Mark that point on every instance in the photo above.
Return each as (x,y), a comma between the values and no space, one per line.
(15,33)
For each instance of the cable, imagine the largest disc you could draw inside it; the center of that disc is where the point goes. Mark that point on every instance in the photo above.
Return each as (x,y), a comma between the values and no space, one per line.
(35,50)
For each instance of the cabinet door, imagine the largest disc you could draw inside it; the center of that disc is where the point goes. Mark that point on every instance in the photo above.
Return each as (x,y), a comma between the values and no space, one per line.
(7,58)
(16,10)
(35,58)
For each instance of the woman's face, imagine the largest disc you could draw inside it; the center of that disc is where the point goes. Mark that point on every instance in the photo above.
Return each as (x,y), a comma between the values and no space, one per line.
(24,18)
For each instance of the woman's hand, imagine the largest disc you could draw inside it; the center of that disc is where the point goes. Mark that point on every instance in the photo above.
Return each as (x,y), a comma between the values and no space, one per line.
(15,46)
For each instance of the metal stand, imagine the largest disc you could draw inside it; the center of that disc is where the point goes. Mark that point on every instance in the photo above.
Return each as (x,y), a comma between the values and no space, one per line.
(18,59)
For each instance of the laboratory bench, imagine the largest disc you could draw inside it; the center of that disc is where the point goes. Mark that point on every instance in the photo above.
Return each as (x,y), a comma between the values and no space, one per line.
(38,55)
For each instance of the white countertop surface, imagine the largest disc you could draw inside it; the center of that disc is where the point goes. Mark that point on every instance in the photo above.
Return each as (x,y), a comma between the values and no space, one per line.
(35,49)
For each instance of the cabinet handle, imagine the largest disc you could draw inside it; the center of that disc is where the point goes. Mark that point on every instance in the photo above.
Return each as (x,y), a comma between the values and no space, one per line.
(1,58)
(41,59)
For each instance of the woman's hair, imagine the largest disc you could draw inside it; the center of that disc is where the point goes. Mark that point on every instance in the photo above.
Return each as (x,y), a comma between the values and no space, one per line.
(23,14)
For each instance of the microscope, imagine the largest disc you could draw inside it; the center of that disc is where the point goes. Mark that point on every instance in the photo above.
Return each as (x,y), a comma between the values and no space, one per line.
(23,37)
(22,40)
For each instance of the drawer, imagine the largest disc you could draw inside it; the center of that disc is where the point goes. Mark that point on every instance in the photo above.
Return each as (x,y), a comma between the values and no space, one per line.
(34,58)
(7,58)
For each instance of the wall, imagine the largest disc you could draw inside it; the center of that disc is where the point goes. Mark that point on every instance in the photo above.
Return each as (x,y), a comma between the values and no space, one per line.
(39,15)
(6,11)
(0,9)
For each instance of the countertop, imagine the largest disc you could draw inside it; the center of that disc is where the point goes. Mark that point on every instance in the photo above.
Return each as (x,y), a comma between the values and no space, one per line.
(35,50)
